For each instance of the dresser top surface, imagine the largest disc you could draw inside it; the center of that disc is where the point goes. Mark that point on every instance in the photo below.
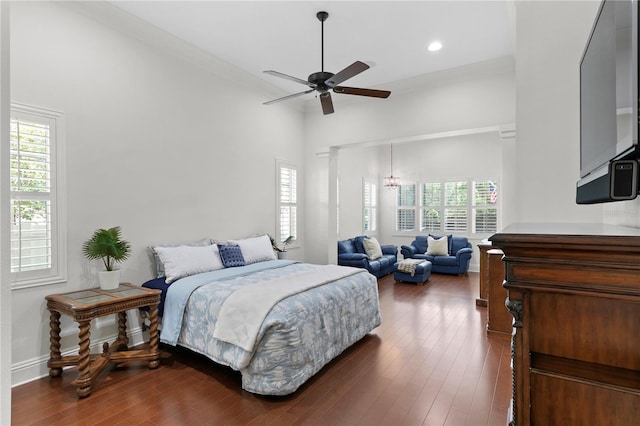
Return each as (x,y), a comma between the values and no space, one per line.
(571,229)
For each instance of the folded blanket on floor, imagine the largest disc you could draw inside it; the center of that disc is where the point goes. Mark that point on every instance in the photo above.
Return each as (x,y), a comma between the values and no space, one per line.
(408,266)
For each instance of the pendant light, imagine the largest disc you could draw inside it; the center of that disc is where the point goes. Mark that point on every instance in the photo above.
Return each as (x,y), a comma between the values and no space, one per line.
(391,181)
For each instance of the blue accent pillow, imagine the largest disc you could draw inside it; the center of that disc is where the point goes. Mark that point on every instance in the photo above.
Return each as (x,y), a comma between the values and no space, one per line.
(359,243)
(231,255)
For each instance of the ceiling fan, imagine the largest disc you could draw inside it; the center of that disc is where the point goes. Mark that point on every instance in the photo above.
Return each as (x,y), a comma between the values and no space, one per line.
(324,81)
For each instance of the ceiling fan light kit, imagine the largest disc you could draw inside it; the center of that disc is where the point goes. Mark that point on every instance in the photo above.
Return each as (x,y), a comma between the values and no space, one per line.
(323,82)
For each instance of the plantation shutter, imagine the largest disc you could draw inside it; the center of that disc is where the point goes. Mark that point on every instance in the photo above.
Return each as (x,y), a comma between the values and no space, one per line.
(406,208)
(485,212)
(370,207)
(288,202)
(32,190)
(455,211)
(431,211)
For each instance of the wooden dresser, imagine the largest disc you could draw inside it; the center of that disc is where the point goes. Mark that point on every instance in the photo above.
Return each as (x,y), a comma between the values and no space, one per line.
(574,293)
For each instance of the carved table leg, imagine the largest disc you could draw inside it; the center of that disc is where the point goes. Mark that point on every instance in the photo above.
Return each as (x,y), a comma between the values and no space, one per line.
(122,330)
(518,405)
(83,381)
(54,340)
(153,336)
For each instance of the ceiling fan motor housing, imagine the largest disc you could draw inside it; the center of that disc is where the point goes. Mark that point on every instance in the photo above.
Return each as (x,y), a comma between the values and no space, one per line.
(319,78)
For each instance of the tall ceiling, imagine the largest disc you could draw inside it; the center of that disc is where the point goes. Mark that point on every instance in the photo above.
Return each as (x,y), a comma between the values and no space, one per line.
(391,36)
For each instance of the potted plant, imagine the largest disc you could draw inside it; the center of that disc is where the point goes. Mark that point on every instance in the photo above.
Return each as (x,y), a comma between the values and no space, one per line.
(107,245)
(282,251)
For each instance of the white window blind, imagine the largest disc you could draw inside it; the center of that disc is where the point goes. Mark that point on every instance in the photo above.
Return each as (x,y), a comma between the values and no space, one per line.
(287,202)
(460,206)
(37,250)
(370,205)
(455,206)
(406,208)
(485,211)
(431,207)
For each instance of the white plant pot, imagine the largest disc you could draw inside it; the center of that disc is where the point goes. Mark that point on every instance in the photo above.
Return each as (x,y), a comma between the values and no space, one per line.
(282,255)
(109,280)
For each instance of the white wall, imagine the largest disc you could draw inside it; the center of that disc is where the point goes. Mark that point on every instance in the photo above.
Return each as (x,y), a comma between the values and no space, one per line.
(473,97)
(168,150)
(551,37)
(354,165)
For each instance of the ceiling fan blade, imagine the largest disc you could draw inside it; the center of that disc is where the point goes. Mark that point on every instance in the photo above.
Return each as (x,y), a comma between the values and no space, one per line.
(374,93)
(327,103)
(352,70)
(288,77)
(284,98)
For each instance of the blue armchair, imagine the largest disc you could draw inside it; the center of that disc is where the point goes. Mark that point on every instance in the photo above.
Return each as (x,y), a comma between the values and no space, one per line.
(457,262)
(351,252)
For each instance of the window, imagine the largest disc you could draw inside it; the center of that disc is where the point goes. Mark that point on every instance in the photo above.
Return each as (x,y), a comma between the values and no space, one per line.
(370,201)
(485,212)
(431,211)
(36,188)
(287,201)
(454,207)
(406,208)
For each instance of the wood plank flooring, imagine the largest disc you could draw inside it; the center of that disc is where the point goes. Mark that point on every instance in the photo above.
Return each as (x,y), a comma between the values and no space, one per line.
(429,363)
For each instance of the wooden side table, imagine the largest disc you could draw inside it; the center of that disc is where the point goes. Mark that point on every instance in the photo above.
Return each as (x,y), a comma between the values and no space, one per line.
(85,305)
(499,319)
(483,248)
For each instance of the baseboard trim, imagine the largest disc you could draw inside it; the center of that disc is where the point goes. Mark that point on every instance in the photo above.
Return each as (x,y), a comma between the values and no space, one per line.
(36,368)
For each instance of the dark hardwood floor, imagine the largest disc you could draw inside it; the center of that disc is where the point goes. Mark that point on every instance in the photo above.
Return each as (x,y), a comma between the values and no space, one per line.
(430,362)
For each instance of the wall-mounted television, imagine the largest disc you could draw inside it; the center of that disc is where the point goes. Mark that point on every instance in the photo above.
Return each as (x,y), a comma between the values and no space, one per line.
(609,106)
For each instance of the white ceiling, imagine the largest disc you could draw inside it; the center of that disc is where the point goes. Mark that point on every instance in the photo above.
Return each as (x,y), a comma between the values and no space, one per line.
(391,36)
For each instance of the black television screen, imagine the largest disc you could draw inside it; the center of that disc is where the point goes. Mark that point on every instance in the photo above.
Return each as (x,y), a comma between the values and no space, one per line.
(608,88)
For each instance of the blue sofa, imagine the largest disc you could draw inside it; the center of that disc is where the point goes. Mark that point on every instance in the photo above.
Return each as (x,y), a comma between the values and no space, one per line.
(457,262)
(351,252)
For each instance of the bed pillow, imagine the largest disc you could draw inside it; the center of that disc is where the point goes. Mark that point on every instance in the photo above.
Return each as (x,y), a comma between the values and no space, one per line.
(372,248)
(255,249)
(439,247)
(156,258)
(182,261)
(231,255)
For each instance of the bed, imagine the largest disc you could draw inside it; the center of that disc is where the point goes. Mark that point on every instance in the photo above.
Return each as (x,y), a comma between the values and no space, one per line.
(278,322)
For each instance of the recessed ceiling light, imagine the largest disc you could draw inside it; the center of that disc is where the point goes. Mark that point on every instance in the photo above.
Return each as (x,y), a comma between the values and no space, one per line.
(435,46)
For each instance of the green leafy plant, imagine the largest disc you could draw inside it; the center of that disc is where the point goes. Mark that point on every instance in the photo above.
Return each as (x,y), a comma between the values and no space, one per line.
(285,243)
(108,245)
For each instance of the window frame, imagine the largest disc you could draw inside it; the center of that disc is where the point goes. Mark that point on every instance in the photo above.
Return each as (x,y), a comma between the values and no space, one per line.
(404,207)
(370,205)
(57,273)
(470,208)
(283,164)
(431,206)
(456,222)
(493,203)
